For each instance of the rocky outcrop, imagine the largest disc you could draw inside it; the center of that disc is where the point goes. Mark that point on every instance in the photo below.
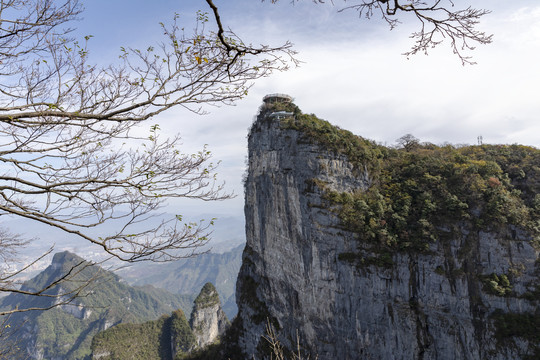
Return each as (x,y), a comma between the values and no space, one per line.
(169,337)
(305,273)
(208,321)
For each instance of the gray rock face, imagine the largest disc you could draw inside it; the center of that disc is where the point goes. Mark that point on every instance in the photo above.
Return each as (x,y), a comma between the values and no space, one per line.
(208,321)
(423,307)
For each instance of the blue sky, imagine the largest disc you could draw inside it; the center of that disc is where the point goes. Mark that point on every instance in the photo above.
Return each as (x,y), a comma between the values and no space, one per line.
(353,75)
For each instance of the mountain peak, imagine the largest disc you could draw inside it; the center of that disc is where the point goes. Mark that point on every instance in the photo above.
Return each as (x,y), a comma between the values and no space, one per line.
(208,320)
(207,297)
(66,257)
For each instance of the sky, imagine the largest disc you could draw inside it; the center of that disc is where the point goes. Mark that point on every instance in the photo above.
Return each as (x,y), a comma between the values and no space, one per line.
(352,74)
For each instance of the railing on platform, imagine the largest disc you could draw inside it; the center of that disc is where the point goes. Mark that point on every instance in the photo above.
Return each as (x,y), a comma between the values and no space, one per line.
(277,97)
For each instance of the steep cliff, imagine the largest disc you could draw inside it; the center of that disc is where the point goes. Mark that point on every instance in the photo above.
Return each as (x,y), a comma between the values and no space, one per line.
(368,252)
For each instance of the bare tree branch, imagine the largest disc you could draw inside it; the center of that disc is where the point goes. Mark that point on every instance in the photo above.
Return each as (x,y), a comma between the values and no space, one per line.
(438,19)
(239,49)
(68,154)
(9,346)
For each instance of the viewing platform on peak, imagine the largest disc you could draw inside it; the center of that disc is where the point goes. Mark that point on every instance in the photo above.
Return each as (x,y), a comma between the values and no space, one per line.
(273,98)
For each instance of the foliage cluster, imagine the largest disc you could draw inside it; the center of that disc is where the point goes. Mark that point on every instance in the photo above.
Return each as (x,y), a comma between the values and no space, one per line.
(497,284)
(149,340)
(207,297)
(181,334)
(419,192)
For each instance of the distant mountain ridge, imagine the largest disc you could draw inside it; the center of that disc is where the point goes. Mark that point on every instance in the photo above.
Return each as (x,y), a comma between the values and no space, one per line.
(188,276)
(66,331)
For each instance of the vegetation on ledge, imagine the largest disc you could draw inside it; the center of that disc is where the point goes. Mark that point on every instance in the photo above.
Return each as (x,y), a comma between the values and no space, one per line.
(207,297)
(419,189)
(362,153)
(497,284)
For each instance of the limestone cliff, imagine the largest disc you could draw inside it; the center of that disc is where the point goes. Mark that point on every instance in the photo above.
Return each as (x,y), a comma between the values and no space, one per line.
(376,253)
(208,320)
